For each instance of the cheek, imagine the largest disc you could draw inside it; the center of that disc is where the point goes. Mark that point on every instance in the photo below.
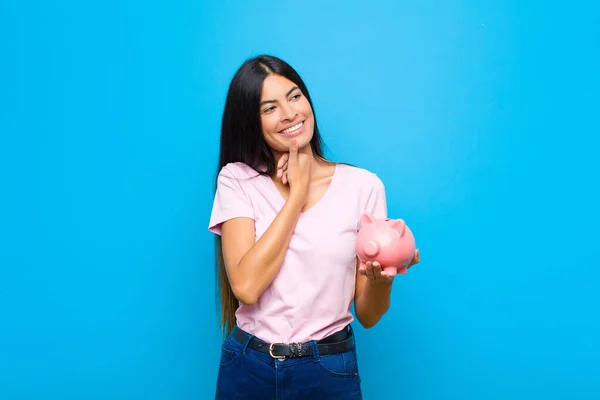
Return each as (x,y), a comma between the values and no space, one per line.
(268,124)
(306,108)
(307,111)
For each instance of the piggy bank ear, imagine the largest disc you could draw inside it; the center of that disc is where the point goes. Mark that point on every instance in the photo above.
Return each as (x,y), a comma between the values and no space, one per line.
(366,219)
(399,226)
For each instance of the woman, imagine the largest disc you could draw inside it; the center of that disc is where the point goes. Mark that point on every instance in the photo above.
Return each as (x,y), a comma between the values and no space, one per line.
(286,222)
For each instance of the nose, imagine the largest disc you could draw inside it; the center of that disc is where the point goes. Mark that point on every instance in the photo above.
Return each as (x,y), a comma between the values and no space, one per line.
(288,112)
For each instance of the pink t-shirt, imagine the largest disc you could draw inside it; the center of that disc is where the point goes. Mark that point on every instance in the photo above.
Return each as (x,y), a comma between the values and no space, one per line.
(311,296)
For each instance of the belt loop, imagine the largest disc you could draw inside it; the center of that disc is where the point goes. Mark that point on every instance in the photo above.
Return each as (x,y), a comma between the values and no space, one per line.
(351,337)
(249,337)
(315,349)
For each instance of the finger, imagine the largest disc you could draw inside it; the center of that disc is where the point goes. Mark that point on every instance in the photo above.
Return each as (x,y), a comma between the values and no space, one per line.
(284,178)
(282,170)
(367,267)
(369,274)
(370,271)
(362,271)
(377,270)
(293,155)
(282,160)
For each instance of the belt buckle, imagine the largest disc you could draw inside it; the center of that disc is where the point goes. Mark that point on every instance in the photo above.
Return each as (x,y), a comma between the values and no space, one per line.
(271,351)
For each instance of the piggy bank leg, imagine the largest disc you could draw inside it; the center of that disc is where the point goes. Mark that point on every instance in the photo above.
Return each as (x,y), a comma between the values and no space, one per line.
(391,271)
(402,270)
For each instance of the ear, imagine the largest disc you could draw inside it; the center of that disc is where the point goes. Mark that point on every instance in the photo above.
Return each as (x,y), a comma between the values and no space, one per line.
(399,226)
(366,219)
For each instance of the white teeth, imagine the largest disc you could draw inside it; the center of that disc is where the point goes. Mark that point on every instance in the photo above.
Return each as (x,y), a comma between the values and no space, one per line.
(293,128)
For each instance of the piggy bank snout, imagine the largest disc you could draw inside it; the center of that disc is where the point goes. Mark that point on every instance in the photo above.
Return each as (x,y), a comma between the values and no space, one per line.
(372,248)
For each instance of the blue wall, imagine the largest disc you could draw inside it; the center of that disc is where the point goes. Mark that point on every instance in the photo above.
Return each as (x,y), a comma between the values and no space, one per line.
(481,117)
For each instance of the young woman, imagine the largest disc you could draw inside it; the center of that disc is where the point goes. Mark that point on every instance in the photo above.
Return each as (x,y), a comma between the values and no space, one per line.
(286,222)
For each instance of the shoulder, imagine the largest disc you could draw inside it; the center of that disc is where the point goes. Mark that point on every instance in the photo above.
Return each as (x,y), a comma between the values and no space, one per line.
(360,176)
(237,171)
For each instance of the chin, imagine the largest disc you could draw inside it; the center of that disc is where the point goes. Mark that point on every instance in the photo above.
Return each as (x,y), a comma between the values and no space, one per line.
(303,140)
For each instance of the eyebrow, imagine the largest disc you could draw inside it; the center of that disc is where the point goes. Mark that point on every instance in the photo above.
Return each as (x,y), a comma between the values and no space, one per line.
(274,101)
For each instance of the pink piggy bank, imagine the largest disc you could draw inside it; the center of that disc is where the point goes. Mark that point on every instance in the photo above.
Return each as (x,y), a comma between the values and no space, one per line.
(387,241)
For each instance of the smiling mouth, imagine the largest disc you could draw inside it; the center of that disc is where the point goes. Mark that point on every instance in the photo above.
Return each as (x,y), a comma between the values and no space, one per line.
(293,128)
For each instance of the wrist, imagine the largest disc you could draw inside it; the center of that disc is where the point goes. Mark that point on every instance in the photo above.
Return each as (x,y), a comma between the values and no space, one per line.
(297,198)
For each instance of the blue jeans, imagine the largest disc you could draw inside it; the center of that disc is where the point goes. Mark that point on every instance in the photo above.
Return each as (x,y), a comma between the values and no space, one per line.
(249,374)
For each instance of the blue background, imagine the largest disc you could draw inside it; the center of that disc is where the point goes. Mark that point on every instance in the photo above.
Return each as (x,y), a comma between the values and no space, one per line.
(481,118)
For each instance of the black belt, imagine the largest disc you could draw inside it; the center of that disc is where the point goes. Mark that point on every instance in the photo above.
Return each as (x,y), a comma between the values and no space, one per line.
(338,342)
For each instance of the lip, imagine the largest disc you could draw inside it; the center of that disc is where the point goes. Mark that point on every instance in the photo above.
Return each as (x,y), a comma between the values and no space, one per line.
(296,132)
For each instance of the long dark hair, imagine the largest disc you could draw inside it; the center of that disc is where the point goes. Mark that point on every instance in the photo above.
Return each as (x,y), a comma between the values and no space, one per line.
(242,141)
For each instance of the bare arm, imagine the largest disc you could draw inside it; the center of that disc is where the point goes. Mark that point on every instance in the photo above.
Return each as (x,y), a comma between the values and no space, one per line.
(371,300)
(373,291)
(251,267)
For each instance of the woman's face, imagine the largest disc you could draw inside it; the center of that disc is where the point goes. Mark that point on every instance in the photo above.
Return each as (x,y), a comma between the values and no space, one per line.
(285,113)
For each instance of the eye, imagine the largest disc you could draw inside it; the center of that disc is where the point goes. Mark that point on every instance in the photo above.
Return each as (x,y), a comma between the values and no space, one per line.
(296,96)
(269,110)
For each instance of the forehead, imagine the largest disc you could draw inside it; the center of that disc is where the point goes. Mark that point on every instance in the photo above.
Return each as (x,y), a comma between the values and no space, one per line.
(276,86)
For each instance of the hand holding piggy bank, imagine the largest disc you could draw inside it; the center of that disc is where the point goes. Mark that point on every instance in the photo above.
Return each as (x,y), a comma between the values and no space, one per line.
(387,241)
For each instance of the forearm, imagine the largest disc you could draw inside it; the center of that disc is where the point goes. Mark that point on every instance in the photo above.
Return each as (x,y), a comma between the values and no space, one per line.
(259,266)
(373,303)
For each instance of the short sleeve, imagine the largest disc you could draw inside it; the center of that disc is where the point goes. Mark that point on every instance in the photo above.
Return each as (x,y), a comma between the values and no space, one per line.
(230,201)
(376,203)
